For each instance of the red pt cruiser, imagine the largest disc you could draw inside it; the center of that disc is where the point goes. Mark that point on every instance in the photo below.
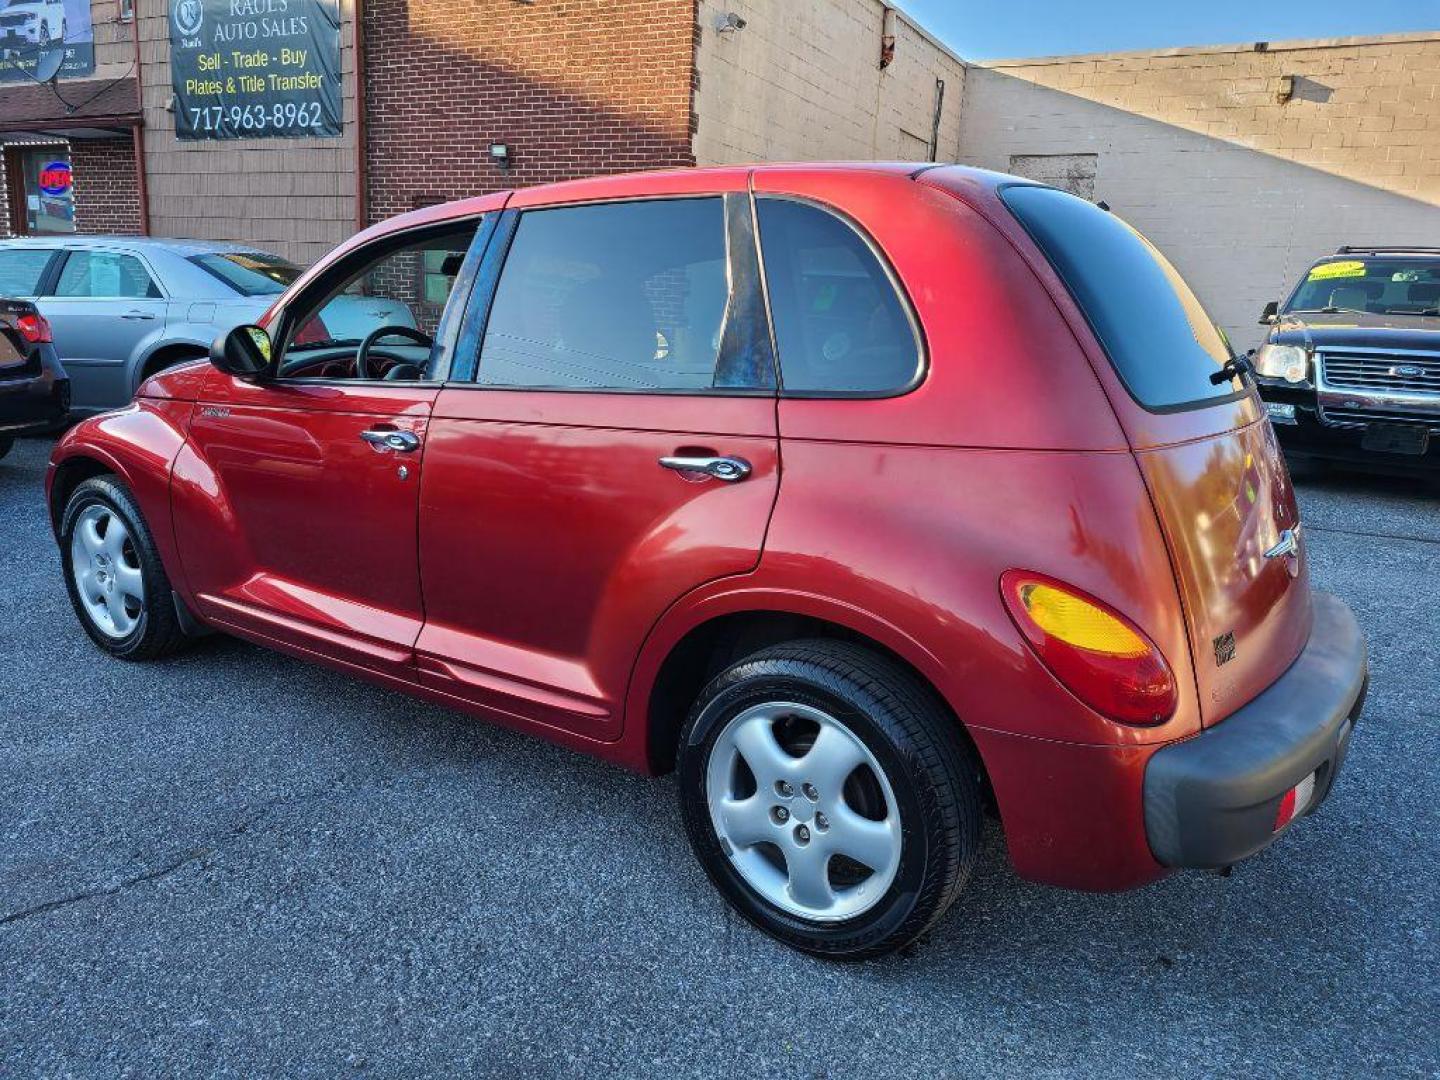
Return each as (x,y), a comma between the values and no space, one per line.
(864,497)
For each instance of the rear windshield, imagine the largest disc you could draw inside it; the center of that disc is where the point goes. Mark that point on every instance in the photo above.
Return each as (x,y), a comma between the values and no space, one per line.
(250,273)
(1163,345)
(1379,286)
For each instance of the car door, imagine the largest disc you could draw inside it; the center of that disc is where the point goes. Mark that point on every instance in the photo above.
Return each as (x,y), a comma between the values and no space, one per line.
(102,305)
(614,448)
(295,496)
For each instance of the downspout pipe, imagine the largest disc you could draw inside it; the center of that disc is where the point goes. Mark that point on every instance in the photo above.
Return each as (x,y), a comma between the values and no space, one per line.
(137,130)
(361,187)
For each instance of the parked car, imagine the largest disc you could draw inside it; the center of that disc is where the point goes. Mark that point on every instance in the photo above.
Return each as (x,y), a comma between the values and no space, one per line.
(34,392)
(123,308)
(1033,546)
(1350,369)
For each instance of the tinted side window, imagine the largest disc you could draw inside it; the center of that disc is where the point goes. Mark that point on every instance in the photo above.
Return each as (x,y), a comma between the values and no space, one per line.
(1153,328)
(840,327)
(20,270)
(105,274)
(621,296)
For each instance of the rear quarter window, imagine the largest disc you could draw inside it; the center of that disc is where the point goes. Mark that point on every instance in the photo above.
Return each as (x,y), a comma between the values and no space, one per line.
(1154,329)
(841,327)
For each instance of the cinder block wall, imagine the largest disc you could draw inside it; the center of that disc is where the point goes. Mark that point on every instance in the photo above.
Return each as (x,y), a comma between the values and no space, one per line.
(1203,151)
(802,82)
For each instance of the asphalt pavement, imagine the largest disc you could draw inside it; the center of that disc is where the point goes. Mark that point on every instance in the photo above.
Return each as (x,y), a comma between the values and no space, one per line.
(235,863)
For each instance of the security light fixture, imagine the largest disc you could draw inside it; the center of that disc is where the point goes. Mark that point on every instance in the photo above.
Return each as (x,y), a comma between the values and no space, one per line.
(500,154)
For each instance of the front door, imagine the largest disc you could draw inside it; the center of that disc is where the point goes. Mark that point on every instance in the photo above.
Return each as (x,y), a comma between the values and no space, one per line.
(616,449)
(296,496)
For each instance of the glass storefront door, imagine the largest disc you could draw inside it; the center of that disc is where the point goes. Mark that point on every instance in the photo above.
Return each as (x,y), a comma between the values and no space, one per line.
(49,191)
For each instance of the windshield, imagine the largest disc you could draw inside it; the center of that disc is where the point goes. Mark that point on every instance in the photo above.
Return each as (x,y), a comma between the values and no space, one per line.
(250,273)
(1163,345)
(1378,286)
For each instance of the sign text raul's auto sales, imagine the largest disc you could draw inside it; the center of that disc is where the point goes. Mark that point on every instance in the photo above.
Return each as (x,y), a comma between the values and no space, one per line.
(255,69)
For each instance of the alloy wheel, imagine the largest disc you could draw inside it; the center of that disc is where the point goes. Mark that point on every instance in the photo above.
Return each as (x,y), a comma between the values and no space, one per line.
(106,570)
(804,811)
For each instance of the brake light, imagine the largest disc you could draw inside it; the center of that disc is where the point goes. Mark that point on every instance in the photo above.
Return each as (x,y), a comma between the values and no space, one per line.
(35,329)
(1096,653)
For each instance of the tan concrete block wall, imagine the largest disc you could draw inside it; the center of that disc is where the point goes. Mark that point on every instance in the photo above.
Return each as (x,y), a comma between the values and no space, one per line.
(295,197)
(802,82)
(1365,109)
(1240,190)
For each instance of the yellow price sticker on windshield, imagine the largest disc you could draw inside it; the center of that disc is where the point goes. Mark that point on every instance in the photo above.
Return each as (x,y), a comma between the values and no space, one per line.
(1345,268)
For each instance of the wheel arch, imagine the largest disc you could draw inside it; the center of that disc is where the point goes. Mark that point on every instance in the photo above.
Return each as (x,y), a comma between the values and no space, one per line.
(69,473)
(681,656)
(164,353)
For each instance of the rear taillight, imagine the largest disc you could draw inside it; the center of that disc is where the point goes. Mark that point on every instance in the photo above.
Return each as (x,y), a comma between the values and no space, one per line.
(34,329)
(1098,654)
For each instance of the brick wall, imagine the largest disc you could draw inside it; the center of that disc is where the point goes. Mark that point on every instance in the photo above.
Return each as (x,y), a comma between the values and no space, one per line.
(1197,148)
(572,91)
(802,82)
(107,199)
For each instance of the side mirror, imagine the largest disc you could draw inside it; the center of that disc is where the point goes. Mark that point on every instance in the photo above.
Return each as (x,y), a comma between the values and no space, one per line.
(243,352)
(1268,315)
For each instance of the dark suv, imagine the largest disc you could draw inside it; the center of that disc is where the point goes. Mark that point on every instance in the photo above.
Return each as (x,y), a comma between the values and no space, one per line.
(1350,370)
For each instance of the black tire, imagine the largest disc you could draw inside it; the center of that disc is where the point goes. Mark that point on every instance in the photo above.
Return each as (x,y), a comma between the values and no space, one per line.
(7,443)
(929,765)
(157,631)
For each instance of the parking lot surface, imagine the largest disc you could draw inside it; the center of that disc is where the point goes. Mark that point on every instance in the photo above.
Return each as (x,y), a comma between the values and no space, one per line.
(237,863)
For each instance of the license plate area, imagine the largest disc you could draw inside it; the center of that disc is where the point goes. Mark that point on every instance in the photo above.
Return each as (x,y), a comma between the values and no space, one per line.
(1396,439)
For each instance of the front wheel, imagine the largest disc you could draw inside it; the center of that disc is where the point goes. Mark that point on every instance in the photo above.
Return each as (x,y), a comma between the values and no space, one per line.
(830,798)
(113,573)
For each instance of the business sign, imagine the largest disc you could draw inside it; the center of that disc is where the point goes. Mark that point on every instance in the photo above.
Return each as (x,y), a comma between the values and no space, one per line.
(33,29)
(255,69)
(55,178)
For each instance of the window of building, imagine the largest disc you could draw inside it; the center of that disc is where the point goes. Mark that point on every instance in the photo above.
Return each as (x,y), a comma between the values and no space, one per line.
(49,200)
(840,325)
(21,269)
(106,274)
(622,296)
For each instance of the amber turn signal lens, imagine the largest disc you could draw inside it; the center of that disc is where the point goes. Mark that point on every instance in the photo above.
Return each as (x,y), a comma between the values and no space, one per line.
(1094,651)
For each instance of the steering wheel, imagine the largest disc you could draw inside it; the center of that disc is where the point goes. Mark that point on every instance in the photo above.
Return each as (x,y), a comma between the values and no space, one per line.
(362,358)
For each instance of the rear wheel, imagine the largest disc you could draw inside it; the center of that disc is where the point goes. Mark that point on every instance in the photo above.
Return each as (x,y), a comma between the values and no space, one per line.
(830,798)
(113,573)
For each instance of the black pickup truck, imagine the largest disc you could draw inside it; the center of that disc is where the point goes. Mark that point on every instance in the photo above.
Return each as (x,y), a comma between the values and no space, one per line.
(34,392)
(1350,370)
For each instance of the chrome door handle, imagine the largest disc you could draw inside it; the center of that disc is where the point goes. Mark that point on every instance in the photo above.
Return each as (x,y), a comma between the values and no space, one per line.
(405,442)
(729,469)
(138,316)
(1289,544)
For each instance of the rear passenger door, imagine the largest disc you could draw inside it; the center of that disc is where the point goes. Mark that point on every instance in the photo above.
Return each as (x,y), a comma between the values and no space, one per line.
(613,446)
(101,307)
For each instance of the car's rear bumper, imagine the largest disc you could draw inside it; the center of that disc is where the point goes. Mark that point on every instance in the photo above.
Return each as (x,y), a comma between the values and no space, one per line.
(1212,800)
(35,403)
